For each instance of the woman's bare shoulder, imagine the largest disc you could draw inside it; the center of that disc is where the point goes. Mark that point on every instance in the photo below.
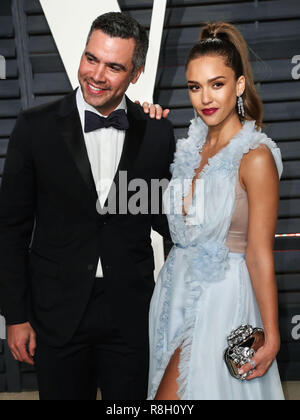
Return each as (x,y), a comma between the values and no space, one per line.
(258,165)
(260,158)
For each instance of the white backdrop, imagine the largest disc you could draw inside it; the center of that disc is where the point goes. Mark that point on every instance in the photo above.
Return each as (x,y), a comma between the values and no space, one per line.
(70,22)
(2,328)
(2,67)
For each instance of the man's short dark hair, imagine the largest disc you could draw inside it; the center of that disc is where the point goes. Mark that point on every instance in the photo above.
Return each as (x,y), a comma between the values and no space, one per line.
(121,25)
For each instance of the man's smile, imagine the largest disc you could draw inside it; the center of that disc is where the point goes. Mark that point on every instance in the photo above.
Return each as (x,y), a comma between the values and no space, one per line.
(94,90)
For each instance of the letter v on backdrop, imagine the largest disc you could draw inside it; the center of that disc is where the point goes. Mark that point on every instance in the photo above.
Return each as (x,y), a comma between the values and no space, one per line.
(70,22)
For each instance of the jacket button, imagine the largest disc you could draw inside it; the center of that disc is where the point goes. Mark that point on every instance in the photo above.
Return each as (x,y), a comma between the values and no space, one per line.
(90,267)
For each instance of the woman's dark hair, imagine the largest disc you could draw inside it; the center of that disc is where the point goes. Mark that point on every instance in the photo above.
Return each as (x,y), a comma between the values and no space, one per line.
(223,39)
(120,25)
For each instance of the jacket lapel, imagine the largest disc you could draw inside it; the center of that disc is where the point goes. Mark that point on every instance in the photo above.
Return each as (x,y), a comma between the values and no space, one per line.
(71,132)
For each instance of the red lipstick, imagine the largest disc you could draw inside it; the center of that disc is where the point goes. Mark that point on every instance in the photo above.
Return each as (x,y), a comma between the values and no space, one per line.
(210,111)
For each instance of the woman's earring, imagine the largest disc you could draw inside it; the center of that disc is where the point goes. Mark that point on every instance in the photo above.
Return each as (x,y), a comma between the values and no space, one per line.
(195,114)
(241,108)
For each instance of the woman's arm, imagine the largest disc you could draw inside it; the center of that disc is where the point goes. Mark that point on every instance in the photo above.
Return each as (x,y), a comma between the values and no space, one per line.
(259,176)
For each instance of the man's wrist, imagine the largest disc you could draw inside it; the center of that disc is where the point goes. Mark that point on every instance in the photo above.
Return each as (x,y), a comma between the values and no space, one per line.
(18,322)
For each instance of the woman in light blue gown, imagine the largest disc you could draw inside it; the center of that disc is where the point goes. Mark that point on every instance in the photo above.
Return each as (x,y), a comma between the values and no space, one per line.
(222,205)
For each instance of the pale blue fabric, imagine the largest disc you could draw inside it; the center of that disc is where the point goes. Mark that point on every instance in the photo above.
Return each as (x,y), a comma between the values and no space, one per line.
(204,291)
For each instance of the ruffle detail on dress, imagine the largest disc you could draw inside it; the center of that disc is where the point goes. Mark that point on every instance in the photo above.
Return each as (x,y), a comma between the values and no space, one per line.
(164,364)
(207,264)
(164,318)
(188,159)
(162,356)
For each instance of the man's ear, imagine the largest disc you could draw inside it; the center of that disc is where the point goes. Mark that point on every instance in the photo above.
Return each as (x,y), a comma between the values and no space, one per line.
(137,75)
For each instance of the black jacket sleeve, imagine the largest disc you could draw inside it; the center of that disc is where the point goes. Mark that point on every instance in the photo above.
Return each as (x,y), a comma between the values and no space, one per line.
(160,221)
(17,209)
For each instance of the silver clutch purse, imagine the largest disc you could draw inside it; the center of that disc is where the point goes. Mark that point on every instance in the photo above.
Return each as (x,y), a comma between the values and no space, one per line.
(243,343)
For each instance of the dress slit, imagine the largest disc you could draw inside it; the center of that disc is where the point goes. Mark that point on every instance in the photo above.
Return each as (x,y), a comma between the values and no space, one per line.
(168,388)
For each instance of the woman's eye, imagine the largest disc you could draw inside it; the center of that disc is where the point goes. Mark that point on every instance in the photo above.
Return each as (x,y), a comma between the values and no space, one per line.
(193,88)
(218,85)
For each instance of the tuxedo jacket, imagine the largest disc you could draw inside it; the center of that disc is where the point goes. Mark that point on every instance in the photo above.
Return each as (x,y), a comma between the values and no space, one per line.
(52,232)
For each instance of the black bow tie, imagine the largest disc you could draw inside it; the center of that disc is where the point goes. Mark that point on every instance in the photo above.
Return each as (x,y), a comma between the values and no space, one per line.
(117,119)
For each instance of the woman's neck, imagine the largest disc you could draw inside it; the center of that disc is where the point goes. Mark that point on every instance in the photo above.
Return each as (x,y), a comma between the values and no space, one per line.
(218,136)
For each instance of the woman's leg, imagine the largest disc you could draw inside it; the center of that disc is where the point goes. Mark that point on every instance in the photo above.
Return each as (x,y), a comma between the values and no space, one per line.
(168,387)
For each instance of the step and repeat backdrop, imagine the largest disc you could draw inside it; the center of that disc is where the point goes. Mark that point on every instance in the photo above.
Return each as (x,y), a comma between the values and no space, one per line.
(33,71)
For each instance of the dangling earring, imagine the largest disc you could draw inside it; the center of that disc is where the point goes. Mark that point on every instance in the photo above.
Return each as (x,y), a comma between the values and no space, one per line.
(241,109)
(195,114)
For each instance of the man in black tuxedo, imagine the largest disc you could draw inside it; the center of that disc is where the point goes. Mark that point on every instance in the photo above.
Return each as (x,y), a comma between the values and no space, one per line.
(76,280)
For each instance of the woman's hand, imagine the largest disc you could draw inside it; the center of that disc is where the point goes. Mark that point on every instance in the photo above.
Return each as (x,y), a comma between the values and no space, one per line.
(154,111)
(262,362)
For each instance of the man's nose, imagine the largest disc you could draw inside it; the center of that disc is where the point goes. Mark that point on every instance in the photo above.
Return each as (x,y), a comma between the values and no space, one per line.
(99,74)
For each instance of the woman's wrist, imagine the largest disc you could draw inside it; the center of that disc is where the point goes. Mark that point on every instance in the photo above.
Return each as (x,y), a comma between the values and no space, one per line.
(272,341)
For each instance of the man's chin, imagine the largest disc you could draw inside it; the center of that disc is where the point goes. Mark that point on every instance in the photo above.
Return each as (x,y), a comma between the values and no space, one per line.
(95,100)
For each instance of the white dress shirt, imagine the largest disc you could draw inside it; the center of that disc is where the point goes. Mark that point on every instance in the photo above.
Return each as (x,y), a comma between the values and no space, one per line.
(104,148)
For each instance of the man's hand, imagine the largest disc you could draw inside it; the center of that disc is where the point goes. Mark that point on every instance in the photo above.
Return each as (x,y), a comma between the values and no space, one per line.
(155,111)
(22,342)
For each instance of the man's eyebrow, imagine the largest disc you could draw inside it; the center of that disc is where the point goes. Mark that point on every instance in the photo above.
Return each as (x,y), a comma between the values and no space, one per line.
(117,65)
(210,80)
(121,67)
